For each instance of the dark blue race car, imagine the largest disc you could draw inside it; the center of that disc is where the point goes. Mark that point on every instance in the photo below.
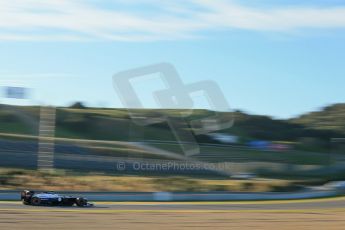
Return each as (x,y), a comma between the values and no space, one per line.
(52,199)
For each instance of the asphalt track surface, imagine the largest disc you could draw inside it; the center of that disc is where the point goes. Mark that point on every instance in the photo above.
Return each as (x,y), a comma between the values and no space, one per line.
(312,204)
(299,214)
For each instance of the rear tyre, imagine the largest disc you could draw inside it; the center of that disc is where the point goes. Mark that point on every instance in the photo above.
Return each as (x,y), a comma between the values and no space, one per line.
(35,201)
(26,202)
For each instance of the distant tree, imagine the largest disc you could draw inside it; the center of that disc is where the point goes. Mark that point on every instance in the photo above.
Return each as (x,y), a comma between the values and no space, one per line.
(78,105)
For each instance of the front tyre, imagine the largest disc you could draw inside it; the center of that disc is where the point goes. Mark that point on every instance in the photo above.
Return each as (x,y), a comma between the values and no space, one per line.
(81,202)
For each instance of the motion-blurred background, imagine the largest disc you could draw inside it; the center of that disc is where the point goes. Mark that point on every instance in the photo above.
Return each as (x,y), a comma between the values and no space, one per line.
(278,64)
(101,149)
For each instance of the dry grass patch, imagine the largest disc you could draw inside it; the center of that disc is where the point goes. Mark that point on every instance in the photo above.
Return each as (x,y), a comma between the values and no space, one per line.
(61,180)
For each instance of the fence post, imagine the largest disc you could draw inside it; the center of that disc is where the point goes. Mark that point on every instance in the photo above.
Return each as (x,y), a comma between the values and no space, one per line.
(46,144)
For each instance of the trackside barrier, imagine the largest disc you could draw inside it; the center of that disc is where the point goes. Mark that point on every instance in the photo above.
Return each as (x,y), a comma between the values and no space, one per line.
(186,196)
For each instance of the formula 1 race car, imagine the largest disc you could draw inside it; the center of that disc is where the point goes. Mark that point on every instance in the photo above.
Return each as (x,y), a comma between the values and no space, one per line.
(52,199)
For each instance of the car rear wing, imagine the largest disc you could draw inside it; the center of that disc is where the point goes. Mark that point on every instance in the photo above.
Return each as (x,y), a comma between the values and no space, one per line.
(26,195)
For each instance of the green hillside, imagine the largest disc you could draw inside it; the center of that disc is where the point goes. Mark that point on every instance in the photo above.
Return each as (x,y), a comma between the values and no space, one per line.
(331,118)
(115,124)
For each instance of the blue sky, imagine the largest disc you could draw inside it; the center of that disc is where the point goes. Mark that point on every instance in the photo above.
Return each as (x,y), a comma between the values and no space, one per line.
(268,58)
